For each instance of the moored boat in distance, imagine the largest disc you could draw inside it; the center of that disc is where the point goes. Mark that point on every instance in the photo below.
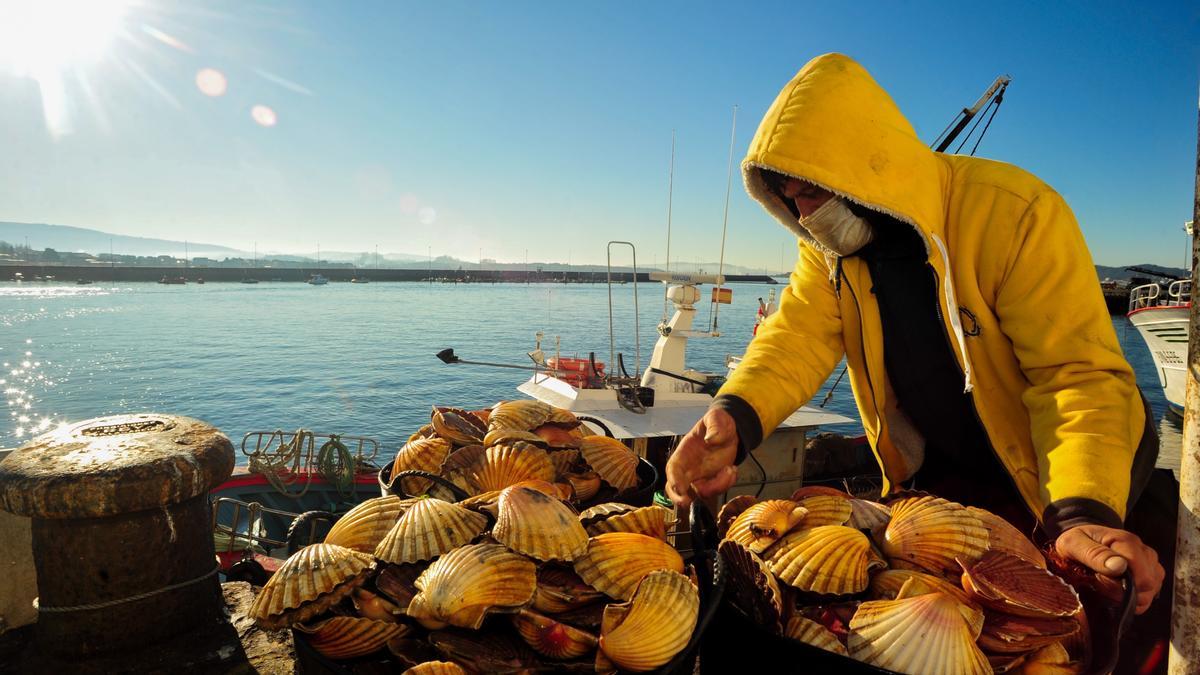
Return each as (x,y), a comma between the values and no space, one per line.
(173,281)
(317,280)
(1162,320)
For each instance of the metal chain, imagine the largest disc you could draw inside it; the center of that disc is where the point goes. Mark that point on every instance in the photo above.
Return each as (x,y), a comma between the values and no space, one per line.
(132,598)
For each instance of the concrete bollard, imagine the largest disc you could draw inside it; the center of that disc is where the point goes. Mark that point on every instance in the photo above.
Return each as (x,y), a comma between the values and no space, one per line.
(122,536)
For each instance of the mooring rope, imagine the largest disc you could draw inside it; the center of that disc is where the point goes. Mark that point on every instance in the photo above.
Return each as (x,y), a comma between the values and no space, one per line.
(122,601)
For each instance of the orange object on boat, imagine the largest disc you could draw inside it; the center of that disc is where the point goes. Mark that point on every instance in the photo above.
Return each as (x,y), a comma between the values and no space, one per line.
(722,295)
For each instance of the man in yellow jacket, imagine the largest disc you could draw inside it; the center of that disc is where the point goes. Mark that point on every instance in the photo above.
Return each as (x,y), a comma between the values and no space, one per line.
(963,297)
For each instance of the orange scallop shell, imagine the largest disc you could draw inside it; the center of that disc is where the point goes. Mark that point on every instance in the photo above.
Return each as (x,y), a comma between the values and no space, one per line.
(457,425)
(730,510)
(542,527)
(428,529)
(505,465)
(436,668)
(552,638)
(829,560)
(1014,585)
(1002,536)
(347,637)
(612,459)
(925,634)
(615,562)
(561,590)
(825,510)
(585,485)
(654,626)
(364,526)
(599,512)
(754,588)
(422,454)
(652,521)
(765,523)
(312,580)
(463,586)
(812,633)
(930,533)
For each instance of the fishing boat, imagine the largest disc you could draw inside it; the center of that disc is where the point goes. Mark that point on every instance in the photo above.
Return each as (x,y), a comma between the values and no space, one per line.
(1161,317)
(317,280)
(173,281)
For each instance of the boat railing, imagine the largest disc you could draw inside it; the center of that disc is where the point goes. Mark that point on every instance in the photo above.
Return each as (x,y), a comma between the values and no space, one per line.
(261,443)
(239,526)
(1179,292)
(1145,296)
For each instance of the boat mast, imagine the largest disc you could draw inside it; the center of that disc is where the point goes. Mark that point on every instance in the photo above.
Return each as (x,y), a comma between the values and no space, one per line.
(715,329)
(994,96)
(670,202)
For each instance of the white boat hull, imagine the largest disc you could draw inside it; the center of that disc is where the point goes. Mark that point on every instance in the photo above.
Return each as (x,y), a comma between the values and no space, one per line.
(1165,330)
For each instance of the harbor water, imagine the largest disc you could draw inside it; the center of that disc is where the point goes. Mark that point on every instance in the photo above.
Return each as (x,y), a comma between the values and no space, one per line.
(355,359)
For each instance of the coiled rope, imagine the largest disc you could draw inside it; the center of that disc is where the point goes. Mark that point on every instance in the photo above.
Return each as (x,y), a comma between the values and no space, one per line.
(336,463)
(282,466)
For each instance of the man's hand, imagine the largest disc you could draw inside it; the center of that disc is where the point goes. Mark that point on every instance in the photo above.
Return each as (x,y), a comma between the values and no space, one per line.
(1110,551)
(704,459)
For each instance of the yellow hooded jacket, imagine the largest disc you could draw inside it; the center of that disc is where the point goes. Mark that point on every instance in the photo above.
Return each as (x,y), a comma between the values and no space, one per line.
(1051,387)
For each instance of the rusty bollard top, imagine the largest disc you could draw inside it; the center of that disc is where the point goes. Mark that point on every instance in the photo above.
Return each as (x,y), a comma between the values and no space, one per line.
(112,465)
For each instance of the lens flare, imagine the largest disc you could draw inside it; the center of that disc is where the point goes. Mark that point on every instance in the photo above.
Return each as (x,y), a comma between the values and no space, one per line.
(263,115)
(211,82)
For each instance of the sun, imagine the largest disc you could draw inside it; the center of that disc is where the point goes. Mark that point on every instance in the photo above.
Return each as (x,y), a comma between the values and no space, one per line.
(40,37)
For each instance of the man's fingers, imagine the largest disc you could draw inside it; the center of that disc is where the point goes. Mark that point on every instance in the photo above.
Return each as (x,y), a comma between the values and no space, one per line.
(708,487)
(1078,545)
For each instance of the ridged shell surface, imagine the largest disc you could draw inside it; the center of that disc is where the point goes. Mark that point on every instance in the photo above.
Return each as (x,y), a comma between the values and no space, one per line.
(436,668)
(364,526)
(605,510)
(348,637)
(612,459)
(765,523)
(930,534)
(922,635)
(585,485)
(509,436)
(457,425)
(462,459)
(830,559)
(868,515)
(398,583)
(1002,536)
(652,521)
(505,465)
(564,461)
(552,638)
(422,454)
(1010,584)
(428,529)
(730,510)
(486,652)
(539,526)
(654,626)
(754,588)
(886,585)
(461,587)
(312,580)
(825,510)
(615,562)
(523,415)
(812,633)
(561,590)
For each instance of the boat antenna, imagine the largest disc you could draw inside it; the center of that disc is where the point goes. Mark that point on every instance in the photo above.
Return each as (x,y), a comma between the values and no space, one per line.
(670,196)
(724,226)
(991,98)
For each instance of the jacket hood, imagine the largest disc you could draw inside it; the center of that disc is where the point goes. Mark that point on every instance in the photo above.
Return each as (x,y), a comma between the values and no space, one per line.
(834,126)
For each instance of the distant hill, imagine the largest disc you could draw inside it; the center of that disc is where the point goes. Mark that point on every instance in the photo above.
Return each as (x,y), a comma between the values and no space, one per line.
(1122,274)
(67,238)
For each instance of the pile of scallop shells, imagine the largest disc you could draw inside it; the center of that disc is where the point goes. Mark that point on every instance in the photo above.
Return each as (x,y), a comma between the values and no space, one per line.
(918,585)
(512,579)
(483,451)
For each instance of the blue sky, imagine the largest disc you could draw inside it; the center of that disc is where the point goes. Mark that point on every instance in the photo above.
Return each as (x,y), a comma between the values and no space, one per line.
(546,127)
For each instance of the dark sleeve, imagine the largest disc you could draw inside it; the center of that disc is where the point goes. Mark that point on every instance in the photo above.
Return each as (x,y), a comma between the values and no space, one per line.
(1064,514)
(745,419)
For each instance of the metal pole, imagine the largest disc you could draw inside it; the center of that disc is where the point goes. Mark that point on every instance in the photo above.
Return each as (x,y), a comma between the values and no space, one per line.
(724,223)
(1185,615)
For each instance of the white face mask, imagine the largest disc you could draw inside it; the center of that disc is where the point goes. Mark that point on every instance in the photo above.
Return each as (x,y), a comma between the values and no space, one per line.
(836,227)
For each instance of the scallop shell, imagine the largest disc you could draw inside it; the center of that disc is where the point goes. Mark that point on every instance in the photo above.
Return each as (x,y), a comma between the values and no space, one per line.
(462,459)
(731,510)
(489,652)
(868,515)
(556,435)
(561,590)
(652,521)
(563,461)
(825,510)
(926,634)
(422,454)
(1009,634)
(886,585)
(830,560)
(586,485)
(457,425)
(508,436)
(428,529)
(812,633)
(426,431)
(365,525)
(436,668)
(1052,659)
(314,579)
(606,510)
(765,523)
(372,606)
(552,638)
(541,527)
(523,415)
(461,587)
(1002,536)
(616,463)
(347,637)
(398,583)
(654,626)
(930,533)
(615,562)
(754,588)
(1014,585)
(504,465)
